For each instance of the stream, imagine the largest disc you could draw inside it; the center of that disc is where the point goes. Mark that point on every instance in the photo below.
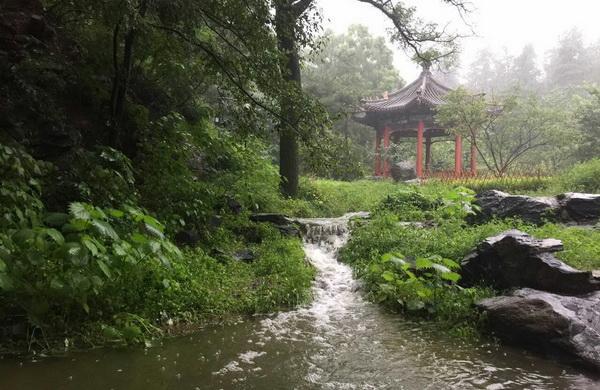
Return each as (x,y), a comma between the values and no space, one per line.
(339,341)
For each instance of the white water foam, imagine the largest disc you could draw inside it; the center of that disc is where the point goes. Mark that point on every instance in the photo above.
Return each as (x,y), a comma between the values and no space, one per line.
(334,294)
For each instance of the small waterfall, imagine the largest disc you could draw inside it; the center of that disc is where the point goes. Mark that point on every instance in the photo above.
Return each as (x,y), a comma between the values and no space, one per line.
(328,231)
(334,290)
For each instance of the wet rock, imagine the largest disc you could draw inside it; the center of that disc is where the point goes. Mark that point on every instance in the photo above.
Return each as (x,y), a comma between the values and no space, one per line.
(404,170)
(284,224)
(494,203)
(288,230)
(187,237)
(215,221)
(274,218)
(580,208)
(234,206)
(245,255)
(515,259)
(567,323)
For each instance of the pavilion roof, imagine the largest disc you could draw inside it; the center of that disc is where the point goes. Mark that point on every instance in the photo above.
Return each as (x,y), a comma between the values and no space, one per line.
(424,90)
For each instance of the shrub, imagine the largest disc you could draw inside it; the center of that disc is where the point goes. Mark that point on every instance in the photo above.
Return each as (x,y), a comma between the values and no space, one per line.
(102,176)
(584,177)
(428,202)
(20,188)
(112,273)
(512,184)
(415,270)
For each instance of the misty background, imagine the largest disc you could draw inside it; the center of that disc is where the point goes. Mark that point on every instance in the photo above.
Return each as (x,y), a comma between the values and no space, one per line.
(500,27)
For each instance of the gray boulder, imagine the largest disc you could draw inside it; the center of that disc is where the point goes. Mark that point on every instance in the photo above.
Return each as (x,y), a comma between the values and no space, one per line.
(404,170)
(498,204)
(284,224)
(580,208)
(274,218)
(566,323)
(515,259)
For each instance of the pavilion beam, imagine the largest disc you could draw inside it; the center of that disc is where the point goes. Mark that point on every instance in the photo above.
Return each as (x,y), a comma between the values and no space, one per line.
(457,155)
(386,144)
(419,163)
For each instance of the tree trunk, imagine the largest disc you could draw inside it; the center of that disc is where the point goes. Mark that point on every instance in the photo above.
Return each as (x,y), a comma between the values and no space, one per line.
(286,20)
(122,80)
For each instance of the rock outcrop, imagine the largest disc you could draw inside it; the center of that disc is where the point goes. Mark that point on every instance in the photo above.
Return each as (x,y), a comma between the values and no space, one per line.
(555,306)
(569,207)
(403,171)
(580,208)
(284,224)
(567,323)
(515,259)
(500,204)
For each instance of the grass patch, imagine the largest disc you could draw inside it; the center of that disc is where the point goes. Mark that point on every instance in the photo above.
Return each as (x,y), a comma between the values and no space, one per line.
(331,198)
(511,184)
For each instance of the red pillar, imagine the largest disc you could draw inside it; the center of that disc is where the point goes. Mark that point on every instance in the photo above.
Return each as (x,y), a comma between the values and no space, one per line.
(419,162)
(377,153)
(473,159)
(386,145)
(457,155)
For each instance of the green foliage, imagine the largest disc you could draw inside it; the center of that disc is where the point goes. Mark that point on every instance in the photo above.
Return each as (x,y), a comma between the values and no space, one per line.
(584,177)
(510,183)
(582,245)
(510,130)
(430,202)
(336,157)
(73,259)
(186,172)
(348,68)
(20,188)
(588,121)
(103,176)
(415,270)
(410,284)
(112,274)
(409,203)
(330,198)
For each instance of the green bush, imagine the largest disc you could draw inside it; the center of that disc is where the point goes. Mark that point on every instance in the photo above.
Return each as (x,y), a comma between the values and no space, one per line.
(382,252)
(428,203)
(511,184)
(102,176)
(331,198)
(584,177)
(414,270)
(407,202)
(112,274)
(20,188)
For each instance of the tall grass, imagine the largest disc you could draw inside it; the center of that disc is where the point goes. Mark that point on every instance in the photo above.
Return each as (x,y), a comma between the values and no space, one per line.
(514,183)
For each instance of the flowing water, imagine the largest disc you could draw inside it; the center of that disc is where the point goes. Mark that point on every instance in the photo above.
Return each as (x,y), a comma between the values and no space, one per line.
(339,341)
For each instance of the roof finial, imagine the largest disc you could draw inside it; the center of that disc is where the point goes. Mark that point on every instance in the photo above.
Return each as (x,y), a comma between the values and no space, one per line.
(385,95)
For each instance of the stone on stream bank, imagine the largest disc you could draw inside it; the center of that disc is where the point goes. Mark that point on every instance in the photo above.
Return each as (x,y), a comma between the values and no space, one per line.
(286,225)
(515,259)
(570,207)
(564,316)
(567,323)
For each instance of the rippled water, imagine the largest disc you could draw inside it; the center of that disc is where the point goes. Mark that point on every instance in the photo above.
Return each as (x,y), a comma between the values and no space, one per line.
(340,341)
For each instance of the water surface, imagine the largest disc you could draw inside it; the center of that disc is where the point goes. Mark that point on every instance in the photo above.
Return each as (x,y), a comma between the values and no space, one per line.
(339,341)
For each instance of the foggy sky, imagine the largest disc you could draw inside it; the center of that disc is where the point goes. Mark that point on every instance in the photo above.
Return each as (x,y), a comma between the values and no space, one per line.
(499,24)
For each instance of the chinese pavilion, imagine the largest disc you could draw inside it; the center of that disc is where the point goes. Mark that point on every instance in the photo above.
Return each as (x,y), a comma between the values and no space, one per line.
(409,112)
